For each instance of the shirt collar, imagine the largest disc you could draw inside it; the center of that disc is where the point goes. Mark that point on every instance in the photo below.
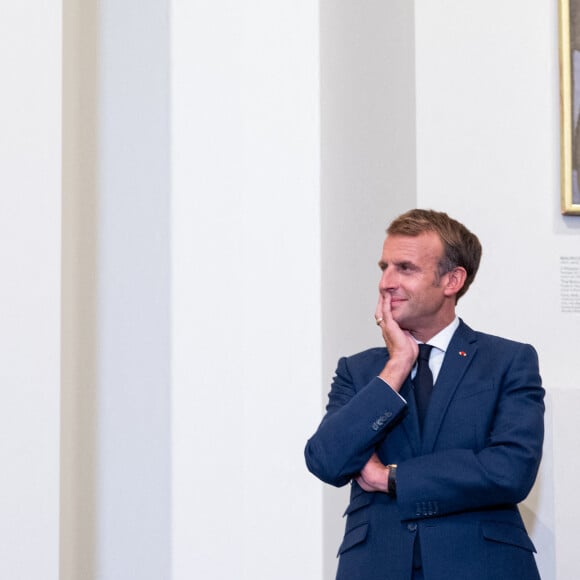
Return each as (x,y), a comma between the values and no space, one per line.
(442,339)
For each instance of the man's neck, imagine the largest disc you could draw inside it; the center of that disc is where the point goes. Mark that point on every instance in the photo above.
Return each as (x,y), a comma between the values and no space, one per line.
(426,334)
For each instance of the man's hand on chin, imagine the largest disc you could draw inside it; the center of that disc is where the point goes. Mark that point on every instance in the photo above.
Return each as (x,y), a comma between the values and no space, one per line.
(402,347)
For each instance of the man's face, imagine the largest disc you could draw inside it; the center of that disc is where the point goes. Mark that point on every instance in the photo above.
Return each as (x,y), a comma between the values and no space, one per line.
(410,276)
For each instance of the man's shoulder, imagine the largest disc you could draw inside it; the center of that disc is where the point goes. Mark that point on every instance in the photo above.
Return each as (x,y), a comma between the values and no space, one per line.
(488,340)
(364,365)
(370,354)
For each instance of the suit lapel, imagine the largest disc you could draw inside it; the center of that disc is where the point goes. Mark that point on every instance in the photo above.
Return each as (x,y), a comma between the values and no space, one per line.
(458,357)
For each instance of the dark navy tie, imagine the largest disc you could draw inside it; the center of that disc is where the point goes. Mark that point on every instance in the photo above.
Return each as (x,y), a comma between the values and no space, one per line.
(423,382)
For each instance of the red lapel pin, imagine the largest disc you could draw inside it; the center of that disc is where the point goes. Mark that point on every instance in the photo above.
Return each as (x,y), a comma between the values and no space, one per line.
(462,353)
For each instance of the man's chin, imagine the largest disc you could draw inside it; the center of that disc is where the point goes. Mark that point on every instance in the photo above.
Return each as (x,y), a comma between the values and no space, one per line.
(401,320)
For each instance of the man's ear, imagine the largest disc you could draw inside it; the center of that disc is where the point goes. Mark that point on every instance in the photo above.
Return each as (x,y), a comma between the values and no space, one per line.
(455,281)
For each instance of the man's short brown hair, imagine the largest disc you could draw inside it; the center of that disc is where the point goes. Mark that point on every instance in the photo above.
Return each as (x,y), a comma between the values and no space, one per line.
(461,247)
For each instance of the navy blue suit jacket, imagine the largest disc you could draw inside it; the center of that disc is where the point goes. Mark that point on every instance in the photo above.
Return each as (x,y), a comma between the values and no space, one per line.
(459,484)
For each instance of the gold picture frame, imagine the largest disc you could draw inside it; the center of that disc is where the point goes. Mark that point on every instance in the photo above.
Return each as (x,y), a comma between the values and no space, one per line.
(570,105)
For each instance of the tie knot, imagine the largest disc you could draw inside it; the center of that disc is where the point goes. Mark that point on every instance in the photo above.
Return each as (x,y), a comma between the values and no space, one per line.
(425,351)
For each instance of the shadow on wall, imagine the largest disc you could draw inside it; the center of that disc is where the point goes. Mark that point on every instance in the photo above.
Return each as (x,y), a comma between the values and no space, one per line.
(538,508)
(79,267)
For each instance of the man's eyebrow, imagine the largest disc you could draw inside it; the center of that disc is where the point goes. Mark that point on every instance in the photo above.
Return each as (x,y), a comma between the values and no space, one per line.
(407,264)
(402,264)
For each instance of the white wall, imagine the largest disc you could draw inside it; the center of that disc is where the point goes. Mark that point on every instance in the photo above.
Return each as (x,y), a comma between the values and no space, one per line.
(245,289)
(133,281)
(285,171)
(367,178)
(488,153)
(30,179)
(484,146)
(116,338)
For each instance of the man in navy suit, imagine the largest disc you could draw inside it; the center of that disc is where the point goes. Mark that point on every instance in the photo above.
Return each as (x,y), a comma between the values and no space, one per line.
(432,496)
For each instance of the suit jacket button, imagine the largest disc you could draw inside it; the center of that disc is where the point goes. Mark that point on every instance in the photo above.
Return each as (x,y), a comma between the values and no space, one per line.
(412,527)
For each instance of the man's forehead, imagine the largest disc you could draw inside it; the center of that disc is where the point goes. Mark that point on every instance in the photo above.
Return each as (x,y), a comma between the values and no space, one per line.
(426,244)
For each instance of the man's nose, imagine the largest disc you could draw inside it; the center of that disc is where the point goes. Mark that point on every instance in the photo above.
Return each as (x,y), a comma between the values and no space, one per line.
(388,280)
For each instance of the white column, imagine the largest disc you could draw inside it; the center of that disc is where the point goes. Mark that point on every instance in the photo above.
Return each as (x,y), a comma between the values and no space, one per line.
(30,204)
(245,289)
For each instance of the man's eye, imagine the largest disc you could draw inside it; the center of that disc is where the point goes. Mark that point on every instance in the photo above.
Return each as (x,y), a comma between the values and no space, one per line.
(407,268)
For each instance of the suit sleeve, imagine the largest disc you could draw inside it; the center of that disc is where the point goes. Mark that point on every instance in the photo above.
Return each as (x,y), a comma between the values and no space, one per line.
(502,473)
(354,423)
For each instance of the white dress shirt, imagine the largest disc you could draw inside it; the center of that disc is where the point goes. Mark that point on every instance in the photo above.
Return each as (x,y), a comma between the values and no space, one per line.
(440,343)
